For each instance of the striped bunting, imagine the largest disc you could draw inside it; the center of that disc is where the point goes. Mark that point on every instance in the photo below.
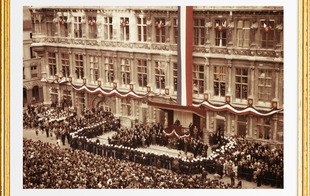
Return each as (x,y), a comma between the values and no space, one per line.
(185,48)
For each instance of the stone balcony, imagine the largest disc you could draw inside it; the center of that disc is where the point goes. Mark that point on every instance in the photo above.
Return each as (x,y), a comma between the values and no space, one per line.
(259,52)
(134,46)
(95,43)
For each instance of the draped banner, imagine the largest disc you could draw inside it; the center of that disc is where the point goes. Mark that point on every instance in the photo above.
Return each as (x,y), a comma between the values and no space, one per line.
(175,131)
(231,109)
(204,104)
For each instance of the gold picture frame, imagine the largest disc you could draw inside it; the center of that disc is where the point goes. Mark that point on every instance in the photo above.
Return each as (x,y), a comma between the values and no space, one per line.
(303,98)
(5,97)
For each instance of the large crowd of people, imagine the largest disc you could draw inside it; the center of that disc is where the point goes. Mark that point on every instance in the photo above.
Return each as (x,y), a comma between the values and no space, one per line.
(249,160)
(234,157)
(144,136)
(48,166)
(57,121)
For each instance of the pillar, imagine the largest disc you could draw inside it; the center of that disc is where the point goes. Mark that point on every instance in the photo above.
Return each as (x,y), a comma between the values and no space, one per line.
(169,75)
(71,64)
(133,69)
(207,77)
(85,66)
(133,32)
(228,124)
(117,106)
(46,95)
(252,81)
(275,128)
(229,87)
(116,64)
(250,127)
(73,98)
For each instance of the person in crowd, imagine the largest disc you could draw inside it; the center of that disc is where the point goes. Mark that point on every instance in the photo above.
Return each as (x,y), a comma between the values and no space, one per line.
(48,166)
(231,156)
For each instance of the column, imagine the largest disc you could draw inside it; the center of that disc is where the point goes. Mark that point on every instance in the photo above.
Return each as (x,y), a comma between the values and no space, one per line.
(99,24)
(169,76)
(235,117)
(133,32)
(150,69)
(252,81)
(101,68)
(117,107)
(58,62)
(72,97)
(116,26)
(255,34)
(85,66)
(133,109)
(78,105)
(45,69)
(250,127)
(230,29)
(84,26)
(212,124)
(277,81)
(207,78)
(46,95)
(56,19)
(71,63)
(229,87)
(208,26)
(70,22)
(117,73)
(133,69)
(228,123)
(255,131)
(168,27)
(275,128)
(149,27)
(103,76)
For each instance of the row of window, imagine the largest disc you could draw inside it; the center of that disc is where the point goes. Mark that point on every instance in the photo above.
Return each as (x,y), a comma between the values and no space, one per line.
(242,30)
(241,76)
(241,82)
(264,128)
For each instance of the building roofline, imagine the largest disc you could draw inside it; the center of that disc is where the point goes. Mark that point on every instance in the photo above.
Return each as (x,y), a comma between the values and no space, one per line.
(164,8)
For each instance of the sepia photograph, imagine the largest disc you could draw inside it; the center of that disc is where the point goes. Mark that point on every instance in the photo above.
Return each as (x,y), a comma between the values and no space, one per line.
(153,97)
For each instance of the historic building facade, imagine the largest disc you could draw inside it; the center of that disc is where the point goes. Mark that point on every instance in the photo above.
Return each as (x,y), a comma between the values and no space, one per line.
(125,60)
(32,86)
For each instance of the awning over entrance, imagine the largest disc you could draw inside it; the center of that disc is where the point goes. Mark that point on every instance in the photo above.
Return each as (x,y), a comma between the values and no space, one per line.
(195,110)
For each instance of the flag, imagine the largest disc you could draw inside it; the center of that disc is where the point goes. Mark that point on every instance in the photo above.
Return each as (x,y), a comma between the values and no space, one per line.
(185,50)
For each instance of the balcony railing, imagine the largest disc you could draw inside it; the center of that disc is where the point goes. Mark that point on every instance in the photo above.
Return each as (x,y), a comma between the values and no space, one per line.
(160,46)
(106,43)
(239,51)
